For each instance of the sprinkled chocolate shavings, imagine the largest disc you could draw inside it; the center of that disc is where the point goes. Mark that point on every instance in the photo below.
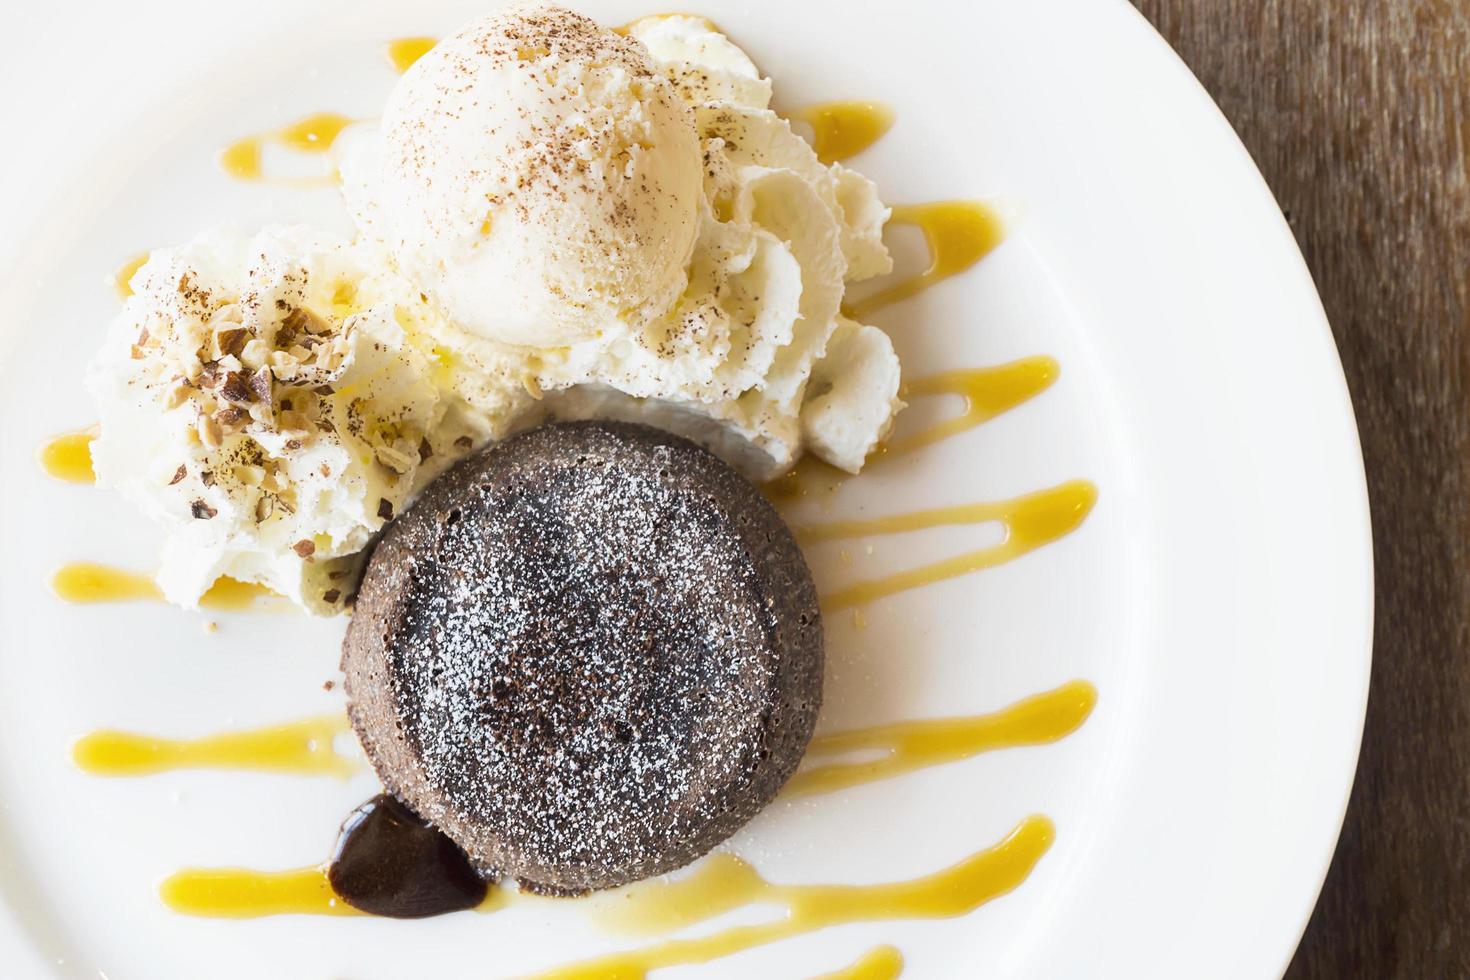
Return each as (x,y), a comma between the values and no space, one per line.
(385,509)
(331,596)
(464,442)
(425,450)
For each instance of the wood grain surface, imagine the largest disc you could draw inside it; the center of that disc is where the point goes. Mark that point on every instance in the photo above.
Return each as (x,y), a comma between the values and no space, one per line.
(1357,114)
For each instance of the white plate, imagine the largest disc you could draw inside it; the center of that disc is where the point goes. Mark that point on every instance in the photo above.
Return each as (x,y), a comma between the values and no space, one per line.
(1219,596)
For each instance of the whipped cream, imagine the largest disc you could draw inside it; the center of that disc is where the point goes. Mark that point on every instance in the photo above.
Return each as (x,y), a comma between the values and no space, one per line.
(260,400)
(555,221)
(772,234)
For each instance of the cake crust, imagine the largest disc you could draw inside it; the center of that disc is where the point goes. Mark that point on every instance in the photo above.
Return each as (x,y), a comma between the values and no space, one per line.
(588,655)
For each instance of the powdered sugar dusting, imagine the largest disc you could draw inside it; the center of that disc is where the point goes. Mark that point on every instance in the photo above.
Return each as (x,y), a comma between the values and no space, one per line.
(605,654)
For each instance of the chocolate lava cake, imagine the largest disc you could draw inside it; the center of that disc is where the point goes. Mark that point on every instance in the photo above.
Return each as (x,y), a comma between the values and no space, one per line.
(588,654)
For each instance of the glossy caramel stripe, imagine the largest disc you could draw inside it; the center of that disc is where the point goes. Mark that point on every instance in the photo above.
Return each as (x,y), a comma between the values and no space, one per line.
(1030,522)
(878,963)
(727,883)
(68,457)
(240,893)
(402,52)
(910,745)
(958,233)
(121,278)
(844,129)
(86,583)
(986,393)
(315,133)
(300,747)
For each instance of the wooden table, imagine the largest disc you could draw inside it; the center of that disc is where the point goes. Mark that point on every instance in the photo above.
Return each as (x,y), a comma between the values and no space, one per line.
(1357,114)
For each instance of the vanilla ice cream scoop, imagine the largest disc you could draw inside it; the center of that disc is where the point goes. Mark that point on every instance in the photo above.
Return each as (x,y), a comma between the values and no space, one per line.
(536,177)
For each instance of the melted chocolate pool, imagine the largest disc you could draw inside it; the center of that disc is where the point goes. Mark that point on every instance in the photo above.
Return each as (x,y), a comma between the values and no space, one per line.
(390,862)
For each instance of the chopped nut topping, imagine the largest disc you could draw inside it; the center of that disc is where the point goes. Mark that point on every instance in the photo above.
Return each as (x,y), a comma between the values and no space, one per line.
(331,595)
(301,320)
(209,432)
(398,462)
(231,418)
(230,340)
(264,508)
(304,548)
(284,366)
(385,509)
(260,386)
(178,393)
(464,442)
(235,389)
(179,474)
(201,510)
(206,477)
(425,450)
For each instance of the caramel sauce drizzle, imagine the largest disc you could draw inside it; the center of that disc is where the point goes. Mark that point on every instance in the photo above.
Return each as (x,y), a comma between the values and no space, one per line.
(1030,521)
(246,893)
(958,233)
(809,478)
(910,745)
(844,129)
(725,882)
(315,133)
(402,52)
(121,279)
(241,159)
(68,456)
(87,583)
(240,893)
(878,963)
(303,748)
(721,879)
(986,392)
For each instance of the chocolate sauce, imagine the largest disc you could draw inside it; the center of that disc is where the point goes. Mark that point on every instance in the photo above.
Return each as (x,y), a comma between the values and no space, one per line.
(390,862)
